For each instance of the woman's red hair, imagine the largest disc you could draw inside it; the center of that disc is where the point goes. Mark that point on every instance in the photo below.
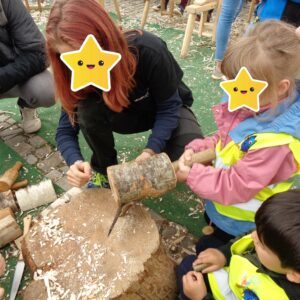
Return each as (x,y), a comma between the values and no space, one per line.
(70,22)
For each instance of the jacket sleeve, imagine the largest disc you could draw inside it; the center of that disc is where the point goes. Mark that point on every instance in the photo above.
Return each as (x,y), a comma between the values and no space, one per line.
(67,140)
(166,120)
(208,142)
(29,45)
(242,181)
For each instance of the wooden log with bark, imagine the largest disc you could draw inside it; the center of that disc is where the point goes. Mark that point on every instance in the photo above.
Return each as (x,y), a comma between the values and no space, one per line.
(72,257)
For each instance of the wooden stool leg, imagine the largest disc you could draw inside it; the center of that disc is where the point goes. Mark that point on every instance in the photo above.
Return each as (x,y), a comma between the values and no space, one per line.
(40,8)
(251,10)
(171,9)
(162,6)
(117,7)
(202,22)
(27,5)
(188,35)
(145,13)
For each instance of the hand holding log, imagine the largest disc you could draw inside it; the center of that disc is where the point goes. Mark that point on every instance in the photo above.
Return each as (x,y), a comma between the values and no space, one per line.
(9,177)
(148,178)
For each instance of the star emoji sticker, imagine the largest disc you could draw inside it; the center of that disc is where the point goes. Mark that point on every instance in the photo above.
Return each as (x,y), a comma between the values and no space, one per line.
(243,91)
(90,65)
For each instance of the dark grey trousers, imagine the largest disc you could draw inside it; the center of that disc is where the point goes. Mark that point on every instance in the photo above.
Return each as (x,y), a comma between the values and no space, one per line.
(38,91)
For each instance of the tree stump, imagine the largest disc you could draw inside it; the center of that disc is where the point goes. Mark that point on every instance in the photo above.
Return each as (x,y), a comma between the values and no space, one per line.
(74,259)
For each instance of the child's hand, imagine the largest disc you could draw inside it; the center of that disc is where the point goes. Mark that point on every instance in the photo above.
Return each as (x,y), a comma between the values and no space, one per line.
(183,164)
(194,286)
(213,257)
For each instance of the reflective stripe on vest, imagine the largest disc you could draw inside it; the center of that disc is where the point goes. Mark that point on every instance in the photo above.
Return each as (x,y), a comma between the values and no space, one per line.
(231,153)
(219,285)
(244,275)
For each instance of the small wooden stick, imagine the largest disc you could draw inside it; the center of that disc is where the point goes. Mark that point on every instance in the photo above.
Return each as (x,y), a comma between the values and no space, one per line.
(20,184)
(199,268)
(26,226)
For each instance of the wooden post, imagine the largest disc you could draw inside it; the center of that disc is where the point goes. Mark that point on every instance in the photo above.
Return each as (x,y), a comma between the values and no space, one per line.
(9,229)
(145,13)
(188,34)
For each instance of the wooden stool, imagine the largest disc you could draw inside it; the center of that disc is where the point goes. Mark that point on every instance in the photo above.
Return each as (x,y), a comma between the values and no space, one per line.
(117,8)
(200,7)
(162,10)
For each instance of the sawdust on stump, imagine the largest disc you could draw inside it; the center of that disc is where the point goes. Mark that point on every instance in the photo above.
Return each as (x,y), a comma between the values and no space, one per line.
(73,258)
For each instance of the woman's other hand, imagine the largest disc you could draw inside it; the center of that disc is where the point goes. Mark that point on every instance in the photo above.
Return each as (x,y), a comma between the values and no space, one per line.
(79,173)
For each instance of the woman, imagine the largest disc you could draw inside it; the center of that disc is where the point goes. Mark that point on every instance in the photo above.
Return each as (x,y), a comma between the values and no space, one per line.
(147,92)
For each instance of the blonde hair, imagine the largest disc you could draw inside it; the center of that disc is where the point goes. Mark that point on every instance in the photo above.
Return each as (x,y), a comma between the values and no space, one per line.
(271,52)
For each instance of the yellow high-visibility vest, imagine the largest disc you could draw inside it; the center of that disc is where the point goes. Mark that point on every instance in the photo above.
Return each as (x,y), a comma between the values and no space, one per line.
(232,152)
(242,275)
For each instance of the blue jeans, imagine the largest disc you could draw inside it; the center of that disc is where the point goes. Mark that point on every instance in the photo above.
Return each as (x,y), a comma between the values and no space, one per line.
(229,11)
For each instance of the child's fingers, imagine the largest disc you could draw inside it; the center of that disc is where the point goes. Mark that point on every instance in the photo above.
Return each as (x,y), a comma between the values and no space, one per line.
(210,269)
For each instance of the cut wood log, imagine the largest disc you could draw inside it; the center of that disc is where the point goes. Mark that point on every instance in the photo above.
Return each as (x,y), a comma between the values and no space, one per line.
(73,258)
(9,229)
(36,195)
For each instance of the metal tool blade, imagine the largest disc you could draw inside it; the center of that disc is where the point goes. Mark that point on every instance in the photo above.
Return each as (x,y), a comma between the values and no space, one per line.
(117,215)
(17,279)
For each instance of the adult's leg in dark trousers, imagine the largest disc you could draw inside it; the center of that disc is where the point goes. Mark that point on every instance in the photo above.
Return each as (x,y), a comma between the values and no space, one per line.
(188,129)
(94,122)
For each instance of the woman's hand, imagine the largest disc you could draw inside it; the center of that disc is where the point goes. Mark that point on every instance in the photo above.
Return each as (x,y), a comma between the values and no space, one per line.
(194,286)
(145,154)
(213,257)
(183,163)
(79,173)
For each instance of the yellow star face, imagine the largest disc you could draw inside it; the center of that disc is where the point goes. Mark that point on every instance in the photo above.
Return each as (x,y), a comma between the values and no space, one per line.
(243,91)
(90,65)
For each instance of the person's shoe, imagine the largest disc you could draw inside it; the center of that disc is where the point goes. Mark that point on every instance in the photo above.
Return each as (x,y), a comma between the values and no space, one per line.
(178,11)
(218,75)
(30,121)
(156,7)
(98,181)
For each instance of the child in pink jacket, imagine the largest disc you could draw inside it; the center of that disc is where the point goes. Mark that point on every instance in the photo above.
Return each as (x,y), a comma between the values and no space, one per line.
(258,154)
